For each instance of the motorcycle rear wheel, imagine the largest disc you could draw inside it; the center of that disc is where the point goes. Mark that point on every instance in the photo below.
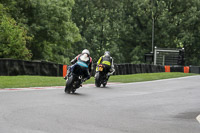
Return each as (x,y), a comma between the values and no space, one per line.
(68,85)
(73,91)
(104,84)
(97,80)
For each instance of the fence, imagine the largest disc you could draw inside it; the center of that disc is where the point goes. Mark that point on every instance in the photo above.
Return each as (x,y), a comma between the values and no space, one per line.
(11,67)
(163,56)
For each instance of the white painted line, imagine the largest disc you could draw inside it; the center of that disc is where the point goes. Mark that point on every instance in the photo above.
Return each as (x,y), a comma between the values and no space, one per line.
(31,89)
(43,88)
(154,81)
(198,118)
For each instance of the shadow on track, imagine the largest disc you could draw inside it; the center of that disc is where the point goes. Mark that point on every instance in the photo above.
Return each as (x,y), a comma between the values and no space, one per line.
(106,87)
(76,94)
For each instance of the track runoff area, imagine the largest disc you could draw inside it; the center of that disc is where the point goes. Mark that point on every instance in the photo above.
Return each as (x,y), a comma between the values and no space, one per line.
(169,105)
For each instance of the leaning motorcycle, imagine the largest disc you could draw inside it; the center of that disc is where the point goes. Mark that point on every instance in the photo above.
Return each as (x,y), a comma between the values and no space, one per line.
(74,79)
(100,76)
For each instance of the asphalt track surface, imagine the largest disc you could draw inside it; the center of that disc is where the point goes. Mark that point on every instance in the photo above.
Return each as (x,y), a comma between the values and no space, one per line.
(163,106)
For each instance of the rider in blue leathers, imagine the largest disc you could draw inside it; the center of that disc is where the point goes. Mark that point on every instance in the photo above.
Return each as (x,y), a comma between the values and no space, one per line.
(85,61)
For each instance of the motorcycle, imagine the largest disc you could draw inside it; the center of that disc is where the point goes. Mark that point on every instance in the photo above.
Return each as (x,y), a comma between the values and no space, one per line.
(100,76)
(74,79)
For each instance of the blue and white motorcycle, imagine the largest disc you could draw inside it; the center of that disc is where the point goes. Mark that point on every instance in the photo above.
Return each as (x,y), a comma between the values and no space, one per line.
(75,78)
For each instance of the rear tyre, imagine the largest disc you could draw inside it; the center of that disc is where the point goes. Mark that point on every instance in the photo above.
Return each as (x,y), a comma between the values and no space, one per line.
(97,80)
(73,91)
(68,85)
(104,84)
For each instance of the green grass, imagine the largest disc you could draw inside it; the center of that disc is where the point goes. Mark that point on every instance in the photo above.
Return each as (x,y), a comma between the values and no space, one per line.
(40,81)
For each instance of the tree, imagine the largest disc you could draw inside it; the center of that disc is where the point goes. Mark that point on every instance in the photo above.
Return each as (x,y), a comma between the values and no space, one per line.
(53,29)
(49,23)
(178,25)
(62,29)
(13,38)
(98,23)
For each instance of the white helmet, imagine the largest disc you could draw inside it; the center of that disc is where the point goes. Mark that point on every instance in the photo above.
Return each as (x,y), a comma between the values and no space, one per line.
(85,51)
(107,53)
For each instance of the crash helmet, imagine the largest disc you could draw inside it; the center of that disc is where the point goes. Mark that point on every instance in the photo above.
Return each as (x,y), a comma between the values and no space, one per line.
(107,53)
(86,51)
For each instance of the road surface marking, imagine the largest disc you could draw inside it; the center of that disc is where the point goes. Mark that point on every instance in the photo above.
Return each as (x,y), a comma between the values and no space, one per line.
(89,85)
(45,88)
(198,118)
(159,80)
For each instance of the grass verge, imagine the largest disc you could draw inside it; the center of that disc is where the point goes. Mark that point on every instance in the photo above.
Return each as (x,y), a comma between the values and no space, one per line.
(40,81)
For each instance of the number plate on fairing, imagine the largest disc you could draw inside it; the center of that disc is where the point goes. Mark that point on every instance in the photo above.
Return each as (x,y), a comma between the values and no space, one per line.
(100,68)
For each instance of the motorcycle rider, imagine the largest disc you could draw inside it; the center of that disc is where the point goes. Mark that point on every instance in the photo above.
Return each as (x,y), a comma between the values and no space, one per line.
(107,61)
(85,61)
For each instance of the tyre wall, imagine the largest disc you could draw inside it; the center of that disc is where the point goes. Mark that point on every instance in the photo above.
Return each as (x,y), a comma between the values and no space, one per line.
(11,67)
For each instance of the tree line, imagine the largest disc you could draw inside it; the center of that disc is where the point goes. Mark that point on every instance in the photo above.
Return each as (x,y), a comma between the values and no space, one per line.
(58,30)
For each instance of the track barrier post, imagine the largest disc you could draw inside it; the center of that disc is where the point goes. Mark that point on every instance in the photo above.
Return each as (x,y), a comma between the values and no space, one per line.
(64,70)
(167,68)
(186,69)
